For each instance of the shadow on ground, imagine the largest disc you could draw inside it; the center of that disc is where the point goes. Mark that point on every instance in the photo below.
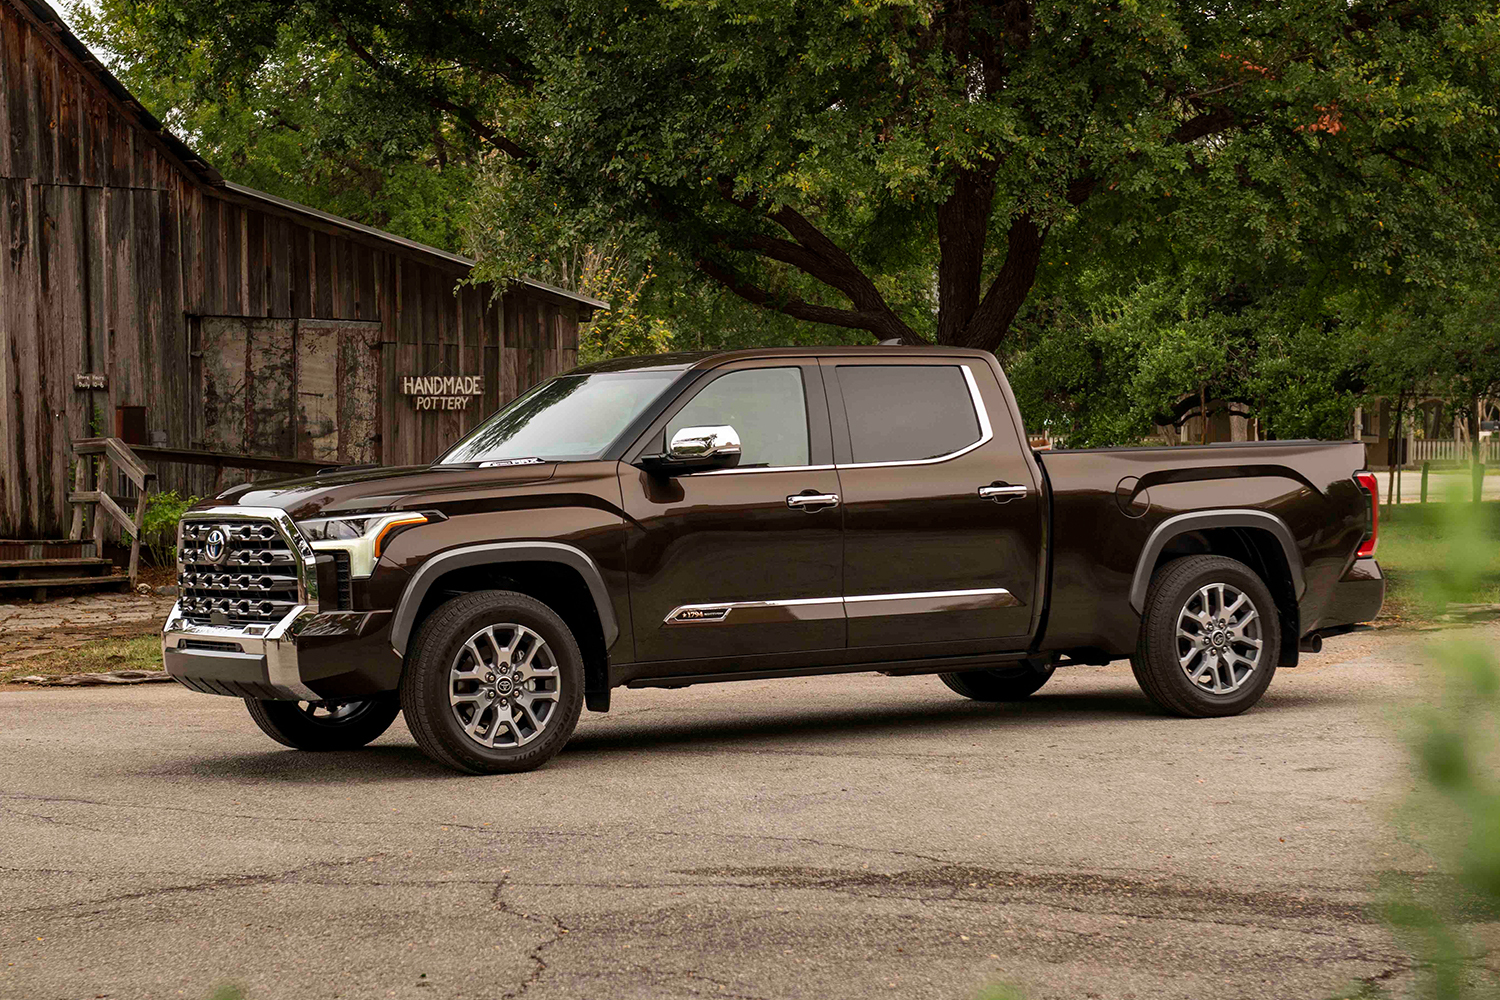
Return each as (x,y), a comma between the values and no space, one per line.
(634,731)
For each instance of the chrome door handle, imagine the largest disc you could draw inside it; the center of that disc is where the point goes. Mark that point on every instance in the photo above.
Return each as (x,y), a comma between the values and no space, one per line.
(812,501)
(1002,494)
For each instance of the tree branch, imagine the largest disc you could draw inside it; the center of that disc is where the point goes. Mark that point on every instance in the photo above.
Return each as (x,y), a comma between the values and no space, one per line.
(1007,293)
(813,253)
(439,102)
(884,325)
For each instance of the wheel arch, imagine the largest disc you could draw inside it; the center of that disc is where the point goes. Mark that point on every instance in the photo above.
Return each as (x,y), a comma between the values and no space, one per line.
(1259,539)
(561,576)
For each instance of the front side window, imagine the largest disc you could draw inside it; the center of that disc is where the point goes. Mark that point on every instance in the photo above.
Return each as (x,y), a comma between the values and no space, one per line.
(568,418)
(766,406)
(907,413)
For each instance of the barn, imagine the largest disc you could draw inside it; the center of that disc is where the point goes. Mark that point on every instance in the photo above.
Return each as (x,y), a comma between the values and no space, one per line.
(215,329)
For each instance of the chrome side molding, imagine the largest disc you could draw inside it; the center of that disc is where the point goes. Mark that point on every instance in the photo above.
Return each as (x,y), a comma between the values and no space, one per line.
(821,608)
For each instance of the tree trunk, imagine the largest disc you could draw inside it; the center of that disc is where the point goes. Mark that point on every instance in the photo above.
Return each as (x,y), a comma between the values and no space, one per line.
(1203,413)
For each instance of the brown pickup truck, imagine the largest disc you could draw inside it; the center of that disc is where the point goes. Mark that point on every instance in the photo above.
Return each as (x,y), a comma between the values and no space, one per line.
(673,520)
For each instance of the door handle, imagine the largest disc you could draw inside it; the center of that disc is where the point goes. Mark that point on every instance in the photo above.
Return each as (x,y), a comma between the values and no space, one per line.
(812,501)
(1002,494)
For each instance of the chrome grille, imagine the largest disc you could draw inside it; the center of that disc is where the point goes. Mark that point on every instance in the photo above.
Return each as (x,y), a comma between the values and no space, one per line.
(257,580)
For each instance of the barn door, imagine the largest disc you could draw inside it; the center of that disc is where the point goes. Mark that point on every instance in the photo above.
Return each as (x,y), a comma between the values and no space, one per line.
(289,388)
(338,391)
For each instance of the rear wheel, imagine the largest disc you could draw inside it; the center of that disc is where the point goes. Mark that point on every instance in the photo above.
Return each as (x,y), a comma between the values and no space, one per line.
(1209,637)
(493,683)
(324,725)
(998,684)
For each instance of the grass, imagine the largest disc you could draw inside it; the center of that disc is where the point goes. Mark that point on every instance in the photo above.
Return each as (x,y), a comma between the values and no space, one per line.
(98,656)
(1416,556)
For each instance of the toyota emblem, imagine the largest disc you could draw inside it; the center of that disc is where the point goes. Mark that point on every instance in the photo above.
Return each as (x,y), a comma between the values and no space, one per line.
(215,545)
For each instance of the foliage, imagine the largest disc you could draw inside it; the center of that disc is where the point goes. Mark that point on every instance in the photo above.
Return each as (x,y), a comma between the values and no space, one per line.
(1455,812)
(159,526)
(312,124)
(911,168)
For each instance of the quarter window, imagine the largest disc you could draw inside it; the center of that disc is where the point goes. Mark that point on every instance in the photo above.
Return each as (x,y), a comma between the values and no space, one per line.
(905,413)
(767,408)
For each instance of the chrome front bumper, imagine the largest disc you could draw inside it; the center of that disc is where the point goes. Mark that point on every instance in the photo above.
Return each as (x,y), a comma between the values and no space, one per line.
(245,661)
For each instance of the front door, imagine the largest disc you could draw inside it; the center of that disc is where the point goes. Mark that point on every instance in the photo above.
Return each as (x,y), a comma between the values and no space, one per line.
(942,513)
(735,563)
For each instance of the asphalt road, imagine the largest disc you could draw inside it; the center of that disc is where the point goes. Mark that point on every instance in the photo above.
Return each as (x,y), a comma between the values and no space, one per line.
(851,836)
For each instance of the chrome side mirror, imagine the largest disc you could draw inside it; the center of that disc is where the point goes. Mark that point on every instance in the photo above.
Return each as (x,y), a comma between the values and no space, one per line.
(697,449)
(692,444)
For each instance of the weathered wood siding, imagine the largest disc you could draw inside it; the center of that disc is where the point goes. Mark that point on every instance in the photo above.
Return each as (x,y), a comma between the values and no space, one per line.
(114,251)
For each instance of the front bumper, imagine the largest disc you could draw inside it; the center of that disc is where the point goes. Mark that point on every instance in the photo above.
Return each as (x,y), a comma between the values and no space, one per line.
(307,656)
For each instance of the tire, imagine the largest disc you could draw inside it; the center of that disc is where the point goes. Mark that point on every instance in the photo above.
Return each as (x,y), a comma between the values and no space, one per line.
(323,726)
(998,684)
(466,714)
(1228,673)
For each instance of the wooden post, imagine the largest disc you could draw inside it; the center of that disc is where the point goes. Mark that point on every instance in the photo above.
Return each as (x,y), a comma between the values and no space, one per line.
(1426,466)
(135,542)
(80,462)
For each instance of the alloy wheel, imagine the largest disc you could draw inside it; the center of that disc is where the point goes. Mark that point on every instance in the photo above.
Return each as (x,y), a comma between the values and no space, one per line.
(504,686)
(1219,643)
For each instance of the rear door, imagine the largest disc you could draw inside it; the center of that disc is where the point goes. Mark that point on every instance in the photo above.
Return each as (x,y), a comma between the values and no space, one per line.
(733,563)
(942,513)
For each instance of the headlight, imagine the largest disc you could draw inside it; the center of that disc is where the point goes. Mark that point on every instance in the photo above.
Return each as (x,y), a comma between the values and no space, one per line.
(362,536)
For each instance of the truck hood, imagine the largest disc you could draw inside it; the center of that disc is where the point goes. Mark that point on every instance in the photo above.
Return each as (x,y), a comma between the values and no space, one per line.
(359,491)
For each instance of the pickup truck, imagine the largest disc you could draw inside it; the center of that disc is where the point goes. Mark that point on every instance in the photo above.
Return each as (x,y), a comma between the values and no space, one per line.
(690,518)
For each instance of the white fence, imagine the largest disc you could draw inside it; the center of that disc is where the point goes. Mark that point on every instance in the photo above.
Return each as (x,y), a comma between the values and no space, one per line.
(1421,450)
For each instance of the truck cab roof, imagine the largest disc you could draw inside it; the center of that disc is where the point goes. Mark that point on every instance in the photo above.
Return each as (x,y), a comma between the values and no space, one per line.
(684,360)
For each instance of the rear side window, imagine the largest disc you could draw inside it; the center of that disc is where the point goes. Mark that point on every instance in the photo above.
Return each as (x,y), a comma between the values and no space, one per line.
(766,406)
(905,413)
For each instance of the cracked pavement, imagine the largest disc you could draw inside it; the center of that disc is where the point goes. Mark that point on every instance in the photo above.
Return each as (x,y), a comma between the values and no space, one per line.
(825,837)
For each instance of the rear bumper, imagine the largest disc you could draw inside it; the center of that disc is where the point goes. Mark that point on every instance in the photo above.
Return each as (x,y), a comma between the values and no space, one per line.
(1357,597)
(307,656)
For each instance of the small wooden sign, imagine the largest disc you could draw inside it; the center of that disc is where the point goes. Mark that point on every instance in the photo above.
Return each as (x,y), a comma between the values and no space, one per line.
(84,380)
(442,392)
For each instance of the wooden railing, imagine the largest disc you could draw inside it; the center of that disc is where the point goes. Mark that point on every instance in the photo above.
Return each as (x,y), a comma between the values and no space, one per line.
(90,481)
(94,455)
(220,461)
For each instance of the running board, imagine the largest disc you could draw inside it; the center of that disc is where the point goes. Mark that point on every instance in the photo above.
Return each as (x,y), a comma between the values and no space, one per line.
(892,668)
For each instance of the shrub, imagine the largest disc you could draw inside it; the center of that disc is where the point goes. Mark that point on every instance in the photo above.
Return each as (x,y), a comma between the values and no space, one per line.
(159,528)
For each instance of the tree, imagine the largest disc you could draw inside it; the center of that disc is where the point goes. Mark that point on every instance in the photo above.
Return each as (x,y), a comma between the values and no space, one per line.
(312,124)
(911,168)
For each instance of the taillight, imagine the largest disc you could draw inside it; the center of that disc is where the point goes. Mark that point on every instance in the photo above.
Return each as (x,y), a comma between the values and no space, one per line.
(1371,490)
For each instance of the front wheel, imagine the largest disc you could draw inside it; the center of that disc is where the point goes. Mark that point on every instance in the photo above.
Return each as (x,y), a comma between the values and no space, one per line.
(1209,639)
(493,683)
(304,725)
(1000,684)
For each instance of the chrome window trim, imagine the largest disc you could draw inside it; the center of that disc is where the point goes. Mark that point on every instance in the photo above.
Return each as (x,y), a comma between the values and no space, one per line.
(986,432)
(723,609)
(765,468)
(986,435)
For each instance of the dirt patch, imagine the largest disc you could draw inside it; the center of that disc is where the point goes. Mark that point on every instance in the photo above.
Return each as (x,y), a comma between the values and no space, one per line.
(31,630)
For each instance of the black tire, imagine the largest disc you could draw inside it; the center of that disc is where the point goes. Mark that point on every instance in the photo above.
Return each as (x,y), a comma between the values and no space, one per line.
(426,684)
(344,726)
(999,683)
(1157,661)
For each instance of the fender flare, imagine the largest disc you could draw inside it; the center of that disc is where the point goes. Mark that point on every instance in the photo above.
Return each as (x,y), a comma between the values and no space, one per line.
(1233,518)
(501,552)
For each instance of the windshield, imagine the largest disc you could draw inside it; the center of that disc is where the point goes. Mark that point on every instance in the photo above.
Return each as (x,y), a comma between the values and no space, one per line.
(571,417)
